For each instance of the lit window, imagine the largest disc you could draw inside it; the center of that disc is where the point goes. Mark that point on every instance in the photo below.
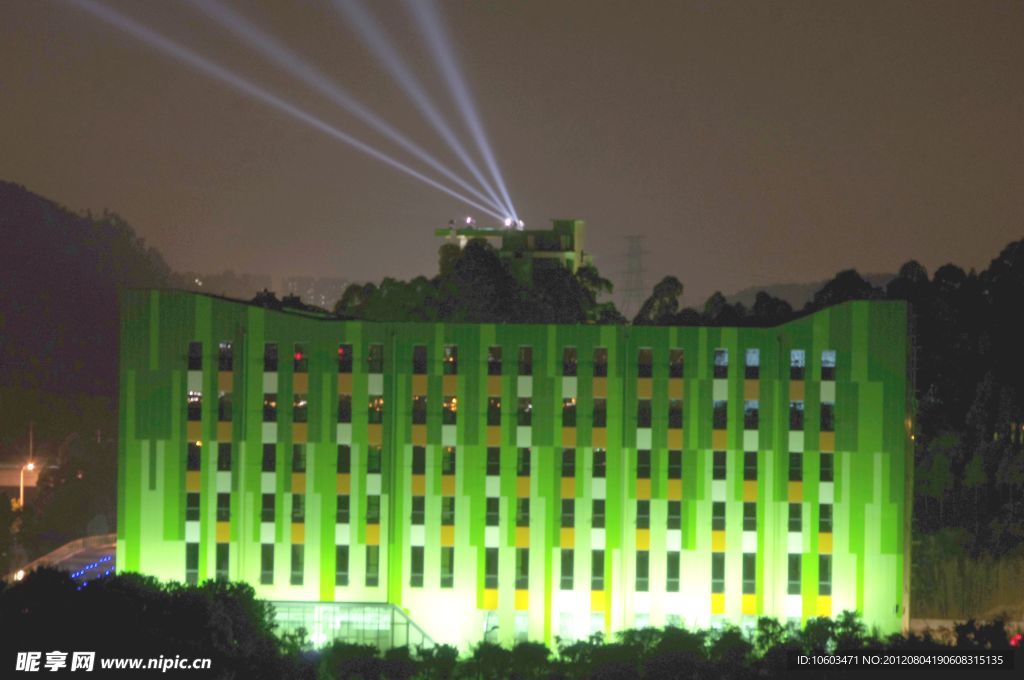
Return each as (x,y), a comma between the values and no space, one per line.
(675,363)
(644,362)
(721,363)
(493,361)
(299,408)
(195,356)
(449,409)
(797,361)
(600,412)
(375,358)
(344,358)
(195,405)
(753,364)
(225,356)
(270,407)
(493,411)
(525,411)
(375,409)
(451,360)
(751,414)
(600,362)
(828,364)
(301,359)
(642,564)
(569,412)
(569,361)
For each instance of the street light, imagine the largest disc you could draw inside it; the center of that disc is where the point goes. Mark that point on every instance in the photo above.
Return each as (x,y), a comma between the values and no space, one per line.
(30,466)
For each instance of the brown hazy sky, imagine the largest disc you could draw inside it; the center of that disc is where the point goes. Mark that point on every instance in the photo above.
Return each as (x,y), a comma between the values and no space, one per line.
(750,143)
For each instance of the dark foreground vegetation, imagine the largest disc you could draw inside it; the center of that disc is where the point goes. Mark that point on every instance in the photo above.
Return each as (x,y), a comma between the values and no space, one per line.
(132,615)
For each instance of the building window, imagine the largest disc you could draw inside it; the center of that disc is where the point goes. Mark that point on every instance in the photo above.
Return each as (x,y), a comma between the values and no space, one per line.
(750,466)
(796,519)
(448,460)
(721,363)
(749,573)
(449,409)
(717,572)
(373,509)
(675,413)
(525,361)
(490,568)
(344,459)
(643,514)
(223,507)
(828,417)
(718,516)
(344,358)
(569,412)
(448,511)
(447,567)
(753,364)
(298,508)
(796,467)
(375,409)
(720,414)
(493,411)
(825,518)
(195,405)
(343,509)
(372,565)
(569,361)
(675,363)
(675,514)
(269,458)
(750,516)
(793,580)
(568,513)
(416,566)
(224,407)
(567,568)
(751,414)
(419,360)
(644,362)
(523,463)
(672,572)
(824,574)
(270,407)
(344,408)
(223,551)
(297,570)
(192,563)
(225,356)
(298,457)
(522,512)
(419,410)
(299,405)
(493,461)
(828,364)
(568,462)
(418,510)
(797,360)
(301,359)
(827,467)
(600,362)
(375,358)
(195,356)
(267,509)
(796,415)
(192,507)
(194,457)
(643,413)
(522,568)
(675,464)
(600,463)
(597,514)
(451,360)
(597,570)
(267,564)
(419,460)
(493,511)
(642,570)
(341,565)
(493,361)
(600,412)
(373,459)
(643,464)
(524,412)
(270,357)
(718,465)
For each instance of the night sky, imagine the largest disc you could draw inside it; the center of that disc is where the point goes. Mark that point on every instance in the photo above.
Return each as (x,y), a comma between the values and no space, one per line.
(750,143)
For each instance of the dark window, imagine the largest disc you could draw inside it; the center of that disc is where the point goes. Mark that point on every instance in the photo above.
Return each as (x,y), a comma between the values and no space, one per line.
(419,359)
(750,516)
(269,458)
(448,460)
(267,564)
(645,363)
(567,567)
(824,574)
(569,412)
(195,356)
(298,508)
(375,358)
(298,457)
(721,363)
(522,568)
(524,412)
(750,466)
(372,565)
(490,567)
(195,406)
(600,412)
(600,463)
(375,409)
(297,570)
(643,413)
(828,417)
(447,511)
(597,514)
(299,406)
(642,570)
(672,572)
(343,509)
(675,464)
(643,464)
(344,408)
(793,586)
(675,363)
(223,551)
(718,516)
(675,514)
(643,514)
(522,512)
(225,356)
(797,360)
(828,364)
(753,366)
(301,359)
(451,360)
(720,415)
(493,460)
(825,518)
(224,407)
(223,507)
(718,465)
(525,361)
(751,415)
(267,510)
(796,517)
(749,573)
(194,458)
(374,454)
(418,510)
(270,357)
(493,511)
(344,459)
(419,410)
(344,358)
(568,462)
(493,361)
(192,507)
(568,513)
(827,471)
(416,566)
(600,362)
(449,410)
(796,467)
(270,407)
(717,572)
(569,361)
(447,567)
(192,563)
(675,413)
(523,463)
(419,460)
(597,569)
(341,565)
(493,411)
(373,509)
(796,415)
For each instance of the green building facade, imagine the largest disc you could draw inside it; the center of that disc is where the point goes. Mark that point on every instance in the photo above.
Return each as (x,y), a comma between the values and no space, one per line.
(520,481)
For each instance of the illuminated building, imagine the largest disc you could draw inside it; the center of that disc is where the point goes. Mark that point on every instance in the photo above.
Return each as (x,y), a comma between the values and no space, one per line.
(523,481)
